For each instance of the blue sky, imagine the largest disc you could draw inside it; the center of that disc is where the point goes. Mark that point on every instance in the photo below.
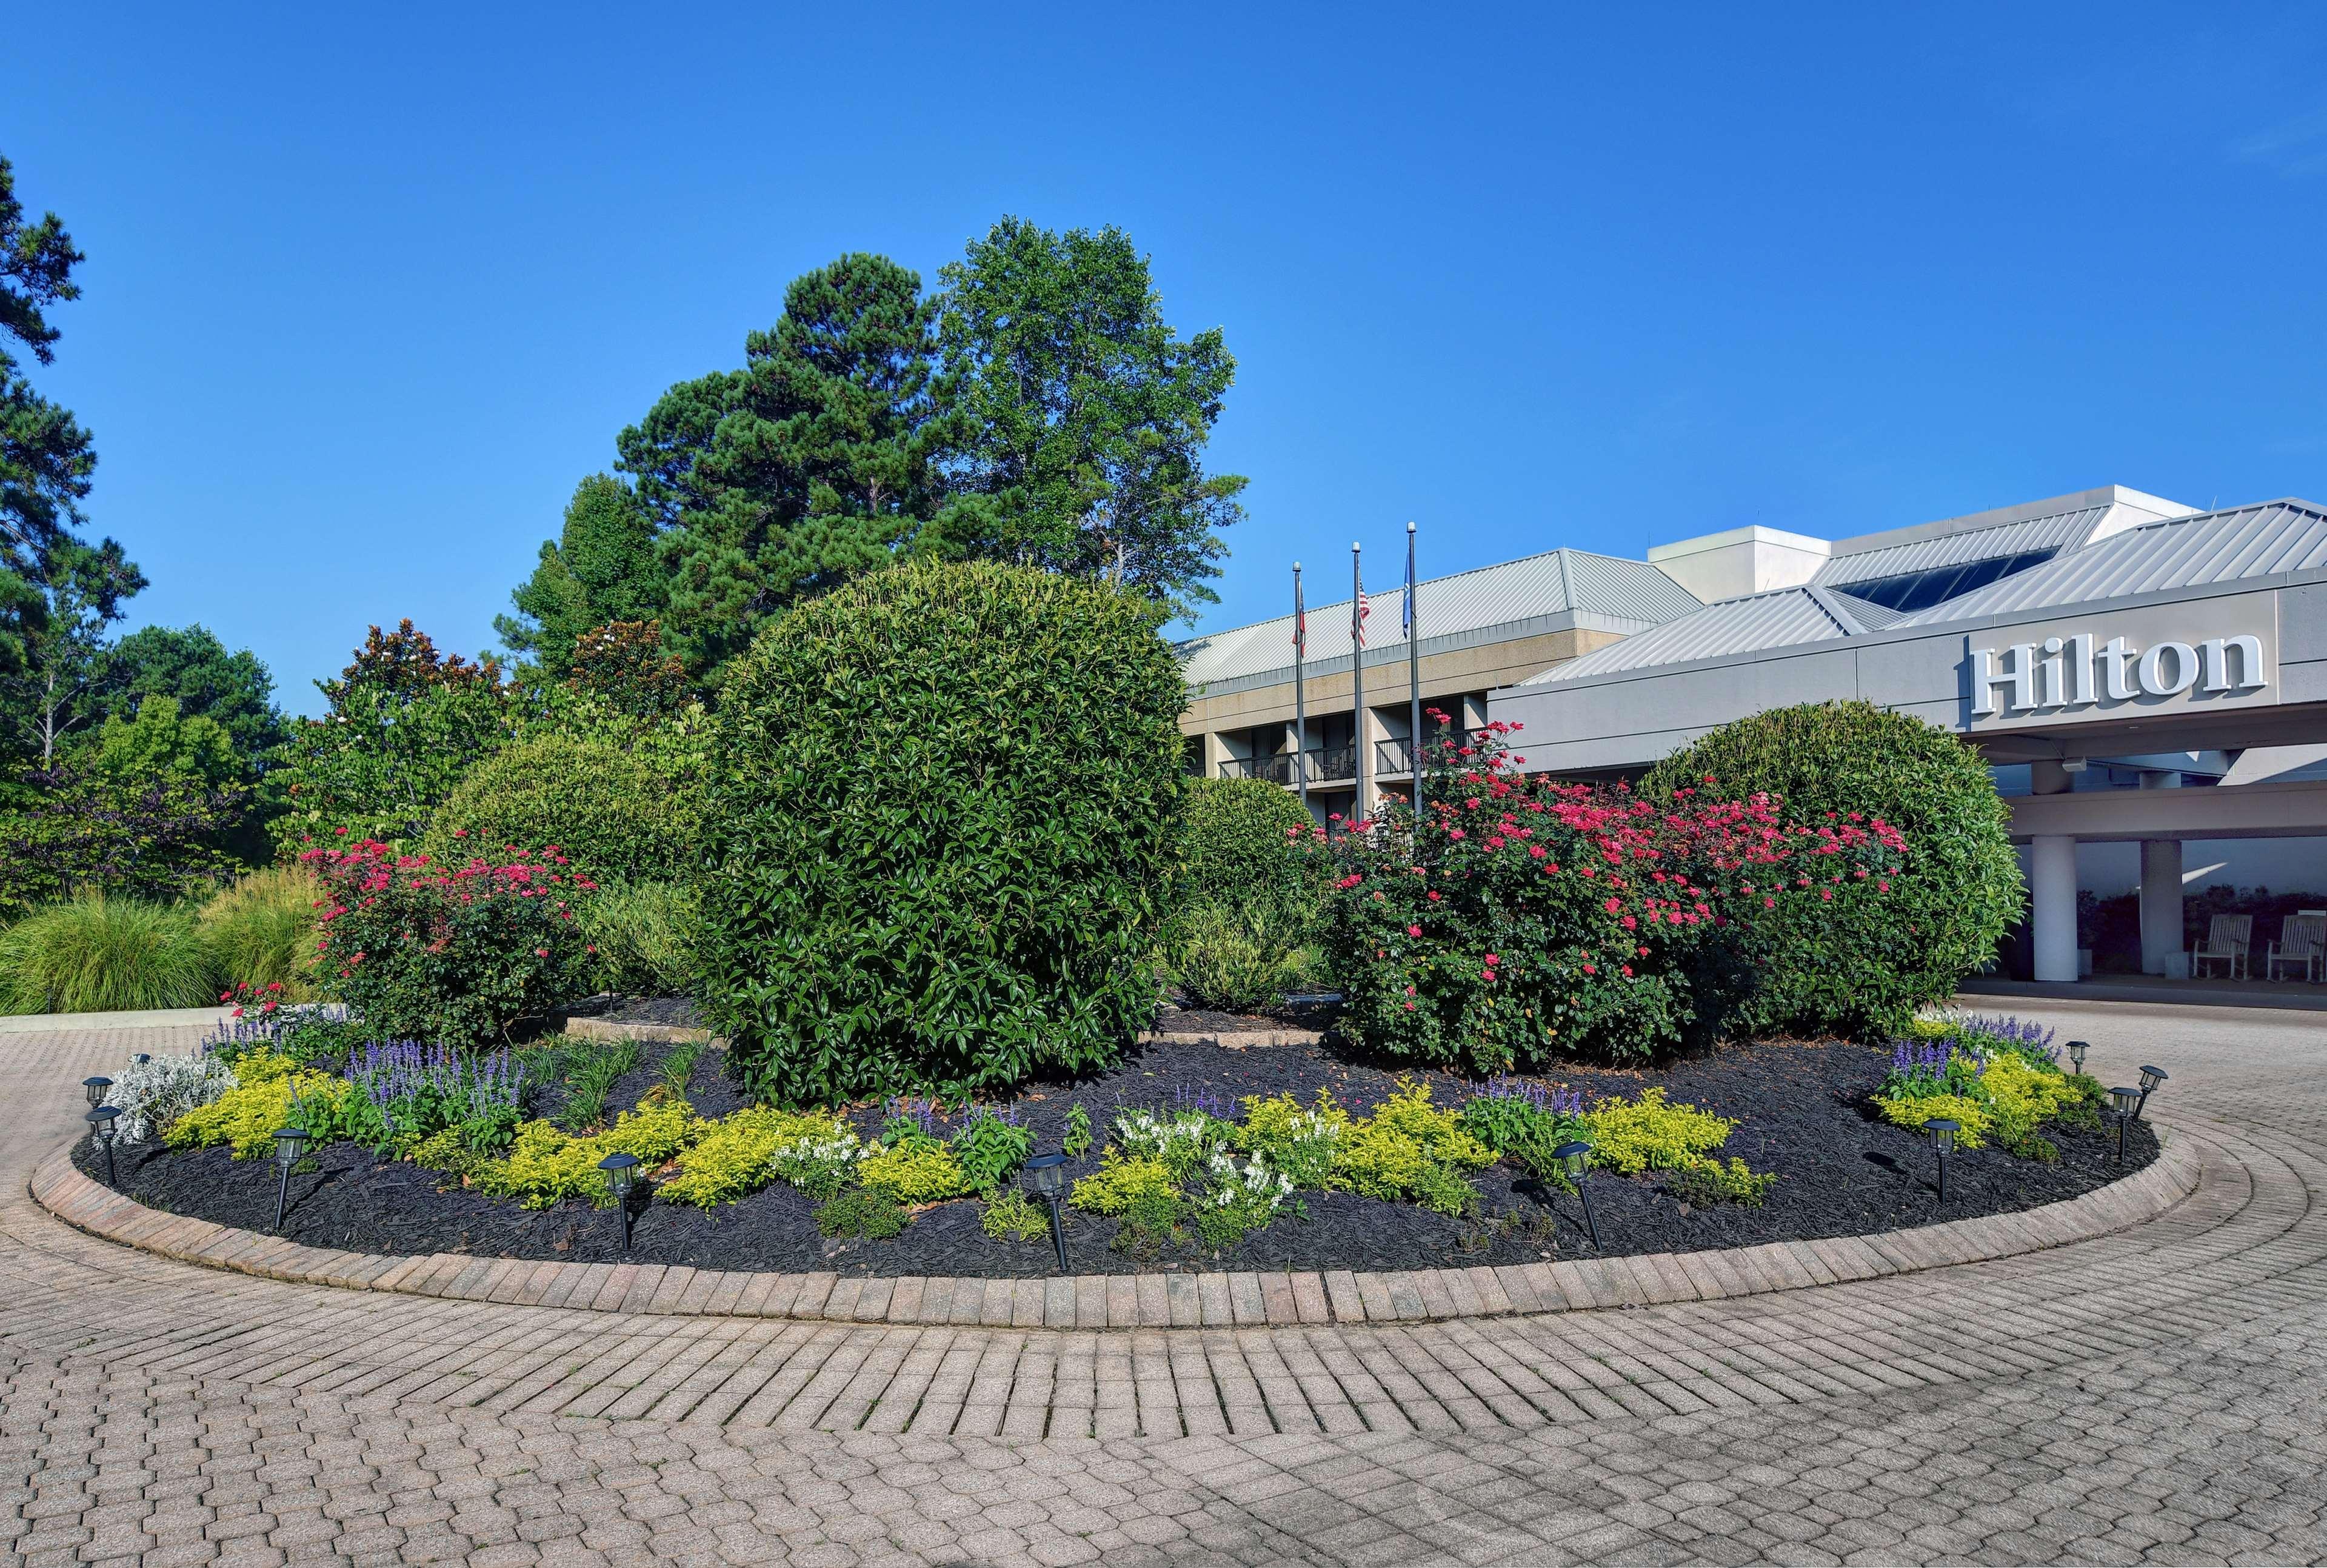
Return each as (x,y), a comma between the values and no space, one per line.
(369,293)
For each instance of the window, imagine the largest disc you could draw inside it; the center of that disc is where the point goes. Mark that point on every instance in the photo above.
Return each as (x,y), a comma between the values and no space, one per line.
(1913,590)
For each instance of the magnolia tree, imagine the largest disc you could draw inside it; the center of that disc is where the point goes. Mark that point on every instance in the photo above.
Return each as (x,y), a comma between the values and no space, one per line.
(1521,918)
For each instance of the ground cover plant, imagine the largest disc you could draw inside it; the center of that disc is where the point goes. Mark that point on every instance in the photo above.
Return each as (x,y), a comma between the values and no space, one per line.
(1521,921)
(942,803)
(1200,1157)
(1999,1079)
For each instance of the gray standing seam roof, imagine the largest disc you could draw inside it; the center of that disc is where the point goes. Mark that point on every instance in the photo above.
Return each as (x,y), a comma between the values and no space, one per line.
(2256,541)
(1782,619)
(2060,531)
(1545,593)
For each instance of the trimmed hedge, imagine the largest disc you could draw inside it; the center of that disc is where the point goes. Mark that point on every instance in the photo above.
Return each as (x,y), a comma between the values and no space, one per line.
(614,816)
(1960,889)
(943,804)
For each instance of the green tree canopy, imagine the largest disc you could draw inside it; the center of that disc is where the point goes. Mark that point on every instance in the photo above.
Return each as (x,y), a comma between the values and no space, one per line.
(45,456)
(822,459)
(58,689)
(1087,415)
(600,568)
(189,663)
(159,739)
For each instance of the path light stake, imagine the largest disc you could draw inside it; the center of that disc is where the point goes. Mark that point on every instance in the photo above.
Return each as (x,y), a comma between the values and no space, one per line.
(2151,1077)
(95,1088)
(2077,1049)
(2125,1099)
(1574,1156)
(141,1059)
(1048,1172)
(100,1129)
(621,1175)
(290,1142)
(1943,1132)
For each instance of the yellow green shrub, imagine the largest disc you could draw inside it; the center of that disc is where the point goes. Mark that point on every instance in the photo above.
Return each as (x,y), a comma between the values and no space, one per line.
(1120,1184)
(2023,1097)
(914,1172)
(1649,1134)
(1300,1140)
(245,1117)
(1971,1117)
(1410,1148)
(546,1163)
(735,1155)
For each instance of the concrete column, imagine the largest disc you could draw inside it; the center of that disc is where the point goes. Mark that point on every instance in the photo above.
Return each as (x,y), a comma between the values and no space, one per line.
(2160,905)
(2052,890)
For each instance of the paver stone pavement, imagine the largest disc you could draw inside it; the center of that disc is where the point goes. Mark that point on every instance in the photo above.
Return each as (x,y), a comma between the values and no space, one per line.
(2157,1393)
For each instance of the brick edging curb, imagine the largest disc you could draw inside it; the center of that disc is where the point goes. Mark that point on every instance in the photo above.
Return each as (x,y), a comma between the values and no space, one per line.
(1132,1301)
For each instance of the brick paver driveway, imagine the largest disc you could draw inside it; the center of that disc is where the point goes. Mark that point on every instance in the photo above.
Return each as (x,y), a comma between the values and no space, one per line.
(2159,1393)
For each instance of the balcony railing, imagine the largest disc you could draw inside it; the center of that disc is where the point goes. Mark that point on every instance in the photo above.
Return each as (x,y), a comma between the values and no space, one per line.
(1325,765)
(1396,756)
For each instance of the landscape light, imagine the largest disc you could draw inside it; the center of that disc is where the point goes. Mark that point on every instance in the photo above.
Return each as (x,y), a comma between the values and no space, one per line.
(290,1142)
(100,1129)
(621,1175)
(1575,1156)
(141,1059)
(2077,1049)
(94,1087)
(1943,1132)
(2151,1077)
(1047,1174)
(2125,1100)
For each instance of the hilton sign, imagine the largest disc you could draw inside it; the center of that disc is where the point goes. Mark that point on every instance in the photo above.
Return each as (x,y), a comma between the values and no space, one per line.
(2087,670)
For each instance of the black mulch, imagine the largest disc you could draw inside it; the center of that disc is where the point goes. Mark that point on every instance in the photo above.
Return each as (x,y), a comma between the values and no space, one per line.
(1841,1172)
(669,1011)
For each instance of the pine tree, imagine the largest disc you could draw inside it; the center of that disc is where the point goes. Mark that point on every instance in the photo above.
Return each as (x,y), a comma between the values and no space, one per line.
(600,568)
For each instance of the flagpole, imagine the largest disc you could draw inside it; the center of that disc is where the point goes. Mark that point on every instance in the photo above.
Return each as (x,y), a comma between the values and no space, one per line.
(1364,773)
(1413,683)
(1300,709)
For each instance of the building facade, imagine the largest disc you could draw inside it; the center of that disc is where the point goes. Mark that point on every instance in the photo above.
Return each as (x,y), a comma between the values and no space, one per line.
(2143,677)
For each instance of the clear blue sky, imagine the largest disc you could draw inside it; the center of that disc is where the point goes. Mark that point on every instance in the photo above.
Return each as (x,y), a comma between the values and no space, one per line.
(369,290)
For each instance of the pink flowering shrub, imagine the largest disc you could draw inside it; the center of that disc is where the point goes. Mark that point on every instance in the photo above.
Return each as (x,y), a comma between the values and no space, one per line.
(442,953)
(1528,920)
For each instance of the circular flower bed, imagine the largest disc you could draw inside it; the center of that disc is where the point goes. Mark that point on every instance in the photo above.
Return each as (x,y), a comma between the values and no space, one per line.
(1184,1156)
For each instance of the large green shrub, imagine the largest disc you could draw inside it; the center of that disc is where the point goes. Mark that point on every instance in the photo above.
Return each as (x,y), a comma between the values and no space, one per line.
(1831,763)
(609,809)
(1237,842)
(942,807)
(94,954)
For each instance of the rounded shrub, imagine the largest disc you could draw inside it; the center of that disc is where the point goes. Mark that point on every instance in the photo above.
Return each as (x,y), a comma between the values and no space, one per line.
(609,811)
(1237,842)
(942,807)
(1958,891)
(94,954)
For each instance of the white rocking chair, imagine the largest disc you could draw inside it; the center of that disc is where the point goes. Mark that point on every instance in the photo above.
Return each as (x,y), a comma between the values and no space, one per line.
(2301,939)
(2228,937)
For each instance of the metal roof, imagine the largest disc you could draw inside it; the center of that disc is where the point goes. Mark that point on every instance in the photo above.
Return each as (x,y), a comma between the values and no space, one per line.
(2061,531)
(1552,592)
(2192,552)
(1782,619)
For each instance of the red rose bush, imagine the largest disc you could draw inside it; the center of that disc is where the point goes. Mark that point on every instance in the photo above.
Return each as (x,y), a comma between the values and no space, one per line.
(421,950)
(1522,919)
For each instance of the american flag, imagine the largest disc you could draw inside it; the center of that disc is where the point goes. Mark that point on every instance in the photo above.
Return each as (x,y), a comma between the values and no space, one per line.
(1299,615)
(1359,610)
